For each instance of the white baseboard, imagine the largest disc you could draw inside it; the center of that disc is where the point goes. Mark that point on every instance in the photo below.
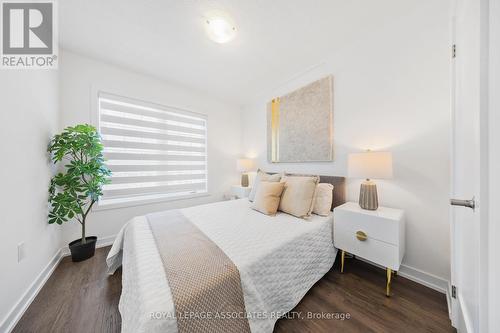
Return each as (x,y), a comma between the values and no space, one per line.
(22,305)
(424,278)
(101,242)
(419,276)
(429,280)
(24,302)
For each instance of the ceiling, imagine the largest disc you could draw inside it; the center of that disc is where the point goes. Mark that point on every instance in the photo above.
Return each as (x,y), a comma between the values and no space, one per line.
(166,38)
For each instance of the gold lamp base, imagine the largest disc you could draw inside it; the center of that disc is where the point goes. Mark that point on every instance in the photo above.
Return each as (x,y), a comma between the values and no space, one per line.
(368,198)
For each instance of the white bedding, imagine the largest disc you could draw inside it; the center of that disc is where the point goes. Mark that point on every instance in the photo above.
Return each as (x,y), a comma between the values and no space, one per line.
(279,259)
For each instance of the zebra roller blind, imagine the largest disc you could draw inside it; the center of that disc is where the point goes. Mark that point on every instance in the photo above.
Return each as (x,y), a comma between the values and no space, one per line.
(154,152)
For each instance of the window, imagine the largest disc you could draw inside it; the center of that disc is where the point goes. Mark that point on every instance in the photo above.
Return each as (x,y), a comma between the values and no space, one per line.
(154,152)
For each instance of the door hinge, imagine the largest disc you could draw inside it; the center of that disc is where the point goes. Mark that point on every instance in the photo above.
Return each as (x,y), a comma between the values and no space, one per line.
(454,51)
(454,291)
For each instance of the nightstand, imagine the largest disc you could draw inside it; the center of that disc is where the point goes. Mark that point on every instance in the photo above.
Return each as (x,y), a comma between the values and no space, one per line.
(240,192)
(375,235)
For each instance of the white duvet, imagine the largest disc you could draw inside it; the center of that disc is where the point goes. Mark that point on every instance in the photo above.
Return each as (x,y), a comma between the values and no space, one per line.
(279,259)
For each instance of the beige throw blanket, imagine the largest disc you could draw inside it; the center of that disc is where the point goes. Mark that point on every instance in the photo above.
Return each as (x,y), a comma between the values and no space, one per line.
(205,283)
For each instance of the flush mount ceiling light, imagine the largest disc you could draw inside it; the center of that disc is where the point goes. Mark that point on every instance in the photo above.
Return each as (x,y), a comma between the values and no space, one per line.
(220,28)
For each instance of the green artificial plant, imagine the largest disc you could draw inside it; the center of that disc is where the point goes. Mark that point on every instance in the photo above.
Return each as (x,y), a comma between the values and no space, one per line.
(77,188)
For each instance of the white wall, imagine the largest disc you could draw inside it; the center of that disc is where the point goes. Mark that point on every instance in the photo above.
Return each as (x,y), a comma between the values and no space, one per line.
(28,119)
(391,92)
(80,75)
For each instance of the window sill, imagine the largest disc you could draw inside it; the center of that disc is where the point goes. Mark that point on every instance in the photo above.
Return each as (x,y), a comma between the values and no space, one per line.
(126,203)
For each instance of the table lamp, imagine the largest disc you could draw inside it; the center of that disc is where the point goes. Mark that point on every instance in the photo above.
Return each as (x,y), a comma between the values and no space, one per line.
(369,165)
(244,165)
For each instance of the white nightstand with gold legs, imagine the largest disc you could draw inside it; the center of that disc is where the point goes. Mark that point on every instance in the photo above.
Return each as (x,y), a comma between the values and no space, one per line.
(377,236)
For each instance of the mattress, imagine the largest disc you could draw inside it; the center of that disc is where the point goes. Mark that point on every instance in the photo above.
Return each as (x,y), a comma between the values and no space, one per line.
(279,259)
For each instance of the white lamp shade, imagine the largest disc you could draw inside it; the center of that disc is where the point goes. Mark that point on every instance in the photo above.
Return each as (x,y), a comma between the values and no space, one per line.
(370,165)
(244,164)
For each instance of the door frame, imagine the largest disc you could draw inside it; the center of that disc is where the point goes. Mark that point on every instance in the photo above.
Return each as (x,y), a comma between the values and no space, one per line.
(494,164)
(488,81)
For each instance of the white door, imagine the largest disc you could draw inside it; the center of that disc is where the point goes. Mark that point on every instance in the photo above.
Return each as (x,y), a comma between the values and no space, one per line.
(468,162)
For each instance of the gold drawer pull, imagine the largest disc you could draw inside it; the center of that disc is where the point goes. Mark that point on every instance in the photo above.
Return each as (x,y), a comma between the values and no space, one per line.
(360,235)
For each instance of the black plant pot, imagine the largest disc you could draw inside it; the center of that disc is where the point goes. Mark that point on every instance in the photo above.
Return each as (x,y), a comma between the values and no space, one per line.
(81,252)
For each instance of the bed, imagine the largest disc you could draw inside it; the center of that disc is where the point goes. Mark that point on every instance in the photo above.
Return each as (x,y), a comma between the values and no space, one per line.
(279,259)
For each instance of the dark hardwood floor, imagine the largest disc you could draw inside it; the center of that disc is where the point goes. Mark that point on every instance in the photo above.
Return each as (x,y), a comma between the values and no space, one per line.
(81,297)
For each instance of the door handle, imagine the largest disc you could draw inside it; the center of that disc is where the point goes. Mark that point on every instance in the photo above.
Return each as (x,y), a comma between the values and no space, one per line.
(464,203)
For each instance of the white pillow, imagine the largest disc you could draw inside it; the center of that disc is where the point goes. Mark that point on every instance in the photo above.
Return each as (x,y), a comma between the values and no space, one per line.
(262,177)
(298,197)
(323,201)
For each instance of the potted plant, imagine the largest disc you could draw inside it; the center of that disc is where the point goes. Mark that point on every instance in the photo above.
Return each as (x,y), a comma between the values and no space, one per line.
(74,191)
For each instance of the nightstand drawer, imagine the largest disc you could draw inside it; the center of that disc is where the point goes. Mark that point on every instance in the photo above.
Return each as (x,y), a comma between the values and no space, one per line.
(374,223)
(374,250)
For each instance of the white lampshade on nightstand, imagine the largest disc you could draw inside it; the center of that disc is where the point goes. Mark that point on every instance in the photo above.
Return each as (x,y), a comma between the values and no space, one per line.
(244,165)
(369,165)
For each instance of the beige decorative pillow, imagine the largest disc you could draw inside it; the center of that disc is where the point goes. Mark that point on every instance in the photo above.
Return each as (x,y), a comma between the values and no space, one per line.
(298,197)
(260,177)
(267,198)
(323,199)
